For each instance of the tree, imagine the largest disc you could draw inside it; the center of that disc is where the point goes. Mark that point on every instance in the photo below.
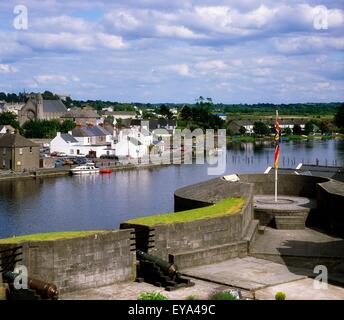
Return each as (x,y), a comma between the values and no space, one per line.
(242,130)
(309,127)
(287,131)
(165,112)
(260,128)
(49,95)
(185,113)
(41,129)
(297,129)
(324,126)
(9,118)
(67,125)
(339,117)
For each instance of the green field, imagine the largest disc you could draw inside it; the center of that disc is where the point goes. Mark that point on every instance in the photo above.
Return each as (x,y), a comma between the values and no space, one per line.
(225,207)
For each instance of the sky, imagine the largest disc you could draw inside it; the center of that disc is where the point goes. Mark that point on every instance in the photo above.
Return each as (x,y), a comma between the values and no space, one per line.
(156,51)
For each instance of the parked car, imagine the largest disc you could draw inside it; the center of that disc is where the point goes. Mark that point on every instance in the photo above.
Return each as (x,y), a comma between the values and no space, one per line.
(59,163)
(58,154)
(105,156)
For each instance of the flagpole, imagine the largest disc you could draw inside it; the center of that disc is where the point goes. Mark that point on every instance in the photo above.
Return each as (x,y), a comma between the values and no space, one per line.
(276,174)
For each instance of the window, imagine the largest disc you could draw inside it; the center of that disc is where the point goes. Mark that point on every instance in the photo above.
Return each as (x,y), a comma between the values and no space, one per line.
(4,151)
(4,163)
(71,151)
(30,149)
(20,150)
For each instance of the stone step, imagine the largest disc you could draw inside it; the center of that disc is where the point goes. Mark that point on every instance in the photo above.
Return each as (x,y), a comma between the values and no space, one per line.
(210,254)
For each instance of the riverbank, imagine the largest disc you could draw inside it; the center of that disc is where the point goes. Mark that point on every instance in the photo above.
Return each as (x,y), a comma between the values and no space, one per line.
(252,138)
(57,172)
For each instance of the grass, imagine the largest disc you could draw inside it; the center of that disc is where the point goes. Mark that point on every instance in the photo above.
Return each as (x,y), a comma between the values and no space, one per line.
(49,236)
(242,138)
(151,296)
(222,208)
(222,296)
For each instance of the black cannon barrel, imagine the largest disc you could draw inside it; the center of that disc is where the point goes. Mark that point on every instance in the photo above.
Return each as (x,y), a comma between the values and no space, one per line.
(170,268)
(44,289)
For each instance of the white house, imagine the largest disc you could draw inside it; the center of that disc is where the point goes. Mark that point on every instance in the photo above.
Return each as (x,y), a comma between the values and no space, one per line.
(133,143)
(83,141)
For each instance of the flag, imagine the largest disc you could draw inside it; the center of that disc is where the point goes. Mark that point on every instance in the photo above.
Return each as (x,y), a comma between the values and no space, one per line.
(277,140)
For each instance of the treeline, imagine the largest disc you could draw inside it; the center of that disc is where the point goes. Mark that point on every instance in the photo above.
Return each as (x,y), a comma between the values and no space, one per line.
(258,108)
(284,109)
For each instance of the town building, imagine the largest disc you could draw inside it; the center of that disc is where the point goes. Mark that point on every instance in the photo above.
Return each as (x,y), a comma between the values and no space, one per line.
(37,108)
(6,129)
(133,143)
(82,116)
(18,153)
(120,115)
(13,107)
(82,141)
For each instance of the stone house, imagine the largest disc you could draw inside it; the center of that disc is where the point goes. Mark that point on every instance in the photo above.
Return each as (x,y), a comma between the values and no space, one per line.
(82,116)
(40,109)
(18,153)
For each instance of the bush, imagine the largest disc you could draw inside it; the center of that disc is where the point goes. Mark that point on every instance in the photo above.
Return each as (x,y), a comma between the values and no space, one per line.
(280,296)
(191,298)
(151,296)
(222,296)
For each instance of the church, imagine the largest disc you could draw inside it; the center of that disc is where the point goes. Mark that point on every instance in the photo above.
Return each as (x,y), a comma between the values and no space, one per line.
(37,108)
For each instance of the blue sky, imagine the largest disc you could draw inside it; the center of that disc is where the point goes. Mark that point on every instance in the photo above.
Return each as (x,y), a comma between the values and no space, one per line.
(244,51)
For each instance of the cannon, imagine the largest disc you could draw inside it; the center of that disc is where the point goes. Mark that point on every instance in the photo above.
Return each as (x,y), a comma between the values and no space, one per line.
(41,288)
(167,267)
(159,272)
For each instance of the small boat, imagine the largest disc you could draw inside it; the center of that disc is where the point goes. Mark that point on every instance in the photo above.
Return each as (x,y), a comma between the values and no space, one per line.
(105,171)
(88,168)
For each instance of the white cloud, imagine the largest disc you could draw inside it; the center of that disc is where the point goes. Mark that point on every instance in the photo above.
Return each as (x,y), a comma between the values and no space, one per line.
(6,68)
(176,32)
(111,41)
(308,44)
(46,79)
(180,69)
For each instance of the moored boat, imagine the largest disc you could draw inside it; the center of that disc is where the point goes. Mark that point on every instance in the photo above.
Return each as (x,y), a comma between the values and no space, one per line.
(88,168)
(105,171)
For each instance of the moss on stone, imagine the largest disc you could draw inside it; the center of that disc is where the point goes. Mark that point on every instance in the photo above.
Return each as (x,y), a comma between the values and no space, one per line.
(224,207)
(49,236)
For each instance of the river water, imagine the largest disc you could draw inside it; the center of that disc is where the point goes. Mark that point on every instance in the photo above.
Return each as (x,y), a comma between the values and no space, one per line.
(100,202)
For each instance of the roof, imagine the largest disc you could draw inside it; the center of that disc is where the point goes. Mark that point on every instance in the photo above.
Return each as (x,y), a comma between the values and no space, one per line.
(160,123)
(81,113)
(94,131)
(119,113)
(123,113)
(7,127)
(15,140)
(68,137)
(55,106)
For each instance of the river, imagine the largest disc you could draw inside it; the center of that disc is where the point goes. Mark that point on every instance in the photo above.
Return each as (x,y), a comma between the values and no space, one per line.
(101,202)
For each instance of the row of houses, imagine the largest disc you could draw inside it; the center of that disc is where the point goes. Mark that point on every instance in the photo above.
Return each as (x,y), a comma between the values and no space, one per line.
(235,125)
(38,108)
(134,141)
(18,153)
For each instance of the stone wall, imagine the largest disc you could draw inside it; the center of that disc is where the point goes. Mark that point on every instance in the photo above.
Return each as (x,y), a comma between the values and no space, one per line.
(203,241)
(328,193)
(83,262)
(330,213)
(288,184)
